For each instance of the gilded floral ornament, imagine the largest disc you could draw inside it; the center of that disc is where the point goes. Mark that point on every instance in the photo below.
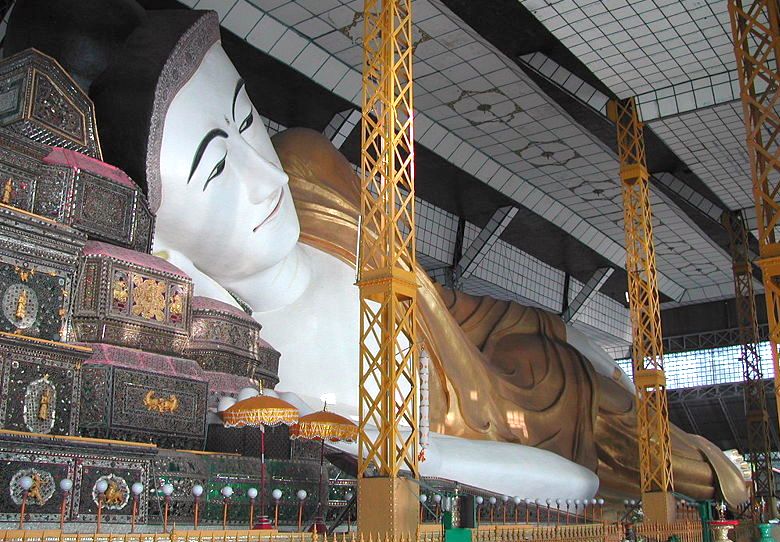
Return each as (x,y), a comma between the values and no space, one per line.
(176,304)
(148,298)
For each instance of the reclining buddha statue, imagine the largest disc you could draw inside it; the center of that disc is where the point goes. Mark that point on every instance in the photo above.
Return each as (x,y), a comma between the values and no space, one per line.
(520,404)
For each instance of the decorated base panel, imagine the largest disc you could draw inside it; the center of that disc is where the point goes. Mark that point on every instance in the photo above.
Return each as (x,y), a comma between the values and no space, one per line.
(41,382)
(132,299)
(73,189)
(140,406)
(38,261)
(41,102)
(86,462)
(47,461)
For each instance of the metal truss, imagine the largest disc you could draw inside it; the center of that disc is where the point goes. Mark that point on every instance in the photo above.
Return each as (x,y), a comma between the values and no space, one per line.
(755,28)
(588,291)
(388,286)
(709,339)
(655,455)
(716,396)
(727,391)
(758,447)
(480,246)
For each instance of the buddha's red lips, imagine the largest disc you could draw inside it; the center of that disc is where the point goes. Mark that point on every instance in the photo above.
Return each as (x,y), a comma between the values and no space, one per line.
(273,212)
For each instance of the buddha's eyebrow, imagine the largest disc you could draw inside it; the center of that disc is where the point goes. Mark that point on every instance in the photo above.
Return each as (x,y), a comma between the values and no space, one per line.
(239,86)
(216,132)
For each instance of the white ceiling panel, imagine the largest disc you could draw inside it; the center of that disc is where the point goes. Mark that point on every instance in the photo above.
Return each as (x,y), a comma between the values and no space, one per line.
(635,46)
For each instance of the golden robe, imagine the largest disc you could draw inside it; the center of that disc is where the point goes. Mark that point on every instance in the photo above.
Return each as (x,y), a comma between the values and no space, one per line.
(500,370)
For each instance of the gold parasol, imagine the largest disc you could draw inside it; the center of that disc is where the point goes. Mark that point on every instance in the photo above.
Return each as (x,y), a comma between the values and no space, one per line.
(259,411)
(325,425)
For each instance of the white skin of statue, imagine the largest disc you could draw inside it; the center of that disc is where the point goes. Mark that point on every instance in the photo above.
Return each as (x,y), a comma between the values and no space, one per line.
(227,218)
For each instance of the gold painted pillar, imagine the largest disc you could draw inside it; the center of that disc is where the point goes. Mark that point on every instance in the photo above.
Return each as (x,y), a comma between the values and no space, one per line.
(755,27)
(655,452)
(759,448)
(388,395)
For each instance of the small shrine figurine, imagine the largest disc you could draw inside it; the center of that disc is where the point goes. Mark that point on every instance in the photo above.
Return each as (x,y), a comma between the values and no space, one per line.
(114,496)
(34,493)
(722,526)
(8,191)
(721,508)
(21,305)
(45,401)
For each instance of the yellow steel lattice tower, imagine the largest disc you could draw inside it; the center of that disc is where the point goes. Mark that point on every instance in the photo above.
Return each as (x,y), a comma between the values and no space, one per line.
(755,27)
(655,454)
(388,441)
(759,450)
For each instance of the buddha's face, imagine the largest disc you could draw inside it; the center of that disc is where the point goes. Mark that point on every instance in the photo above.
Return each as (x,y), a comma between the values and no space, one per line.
(225,202)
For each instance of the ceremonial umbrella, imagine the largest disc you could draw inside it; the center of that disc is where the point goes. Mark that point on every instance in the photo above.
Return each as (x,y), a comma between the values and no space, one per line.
(260,411)
(324,426)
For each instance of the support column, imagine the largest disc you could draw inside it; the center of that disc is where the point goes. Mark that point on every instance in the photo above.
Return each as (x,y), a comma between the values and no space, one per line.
(755,27)
(759,449)
(388,394)
(655,452)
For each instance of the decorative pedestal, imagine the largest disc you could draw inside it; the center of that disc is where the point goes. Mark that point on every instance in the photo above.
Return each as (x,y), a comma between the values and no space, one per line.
(41,102)
(139,396)
(263,524)
(388,506)
(318,526)
(721,528)
(226,339)
(766,532)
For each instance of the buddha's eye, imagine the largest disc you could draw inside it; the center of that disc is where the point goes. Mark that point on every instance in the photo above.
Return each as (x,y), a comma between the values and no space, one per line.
(216,172)
(247,122)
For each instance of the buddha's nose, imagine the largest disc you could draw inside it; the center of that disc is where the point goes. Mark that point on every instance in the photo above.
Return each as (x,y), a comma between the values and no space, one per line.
(261,177)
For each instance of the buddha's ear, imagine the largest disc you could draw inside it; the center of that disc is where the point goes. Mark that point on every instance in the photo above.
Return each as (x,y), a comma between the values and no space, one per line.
(82,35)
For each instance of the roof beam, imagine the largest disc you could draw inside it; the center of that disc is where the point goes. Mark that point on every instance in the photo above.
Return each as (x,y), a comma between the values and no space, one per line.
(699,93)
(341,125)
(345,81)
(563,78)
(596,100)
(682,98)
(480,246)
(691,419)
(730,422)
(588,291)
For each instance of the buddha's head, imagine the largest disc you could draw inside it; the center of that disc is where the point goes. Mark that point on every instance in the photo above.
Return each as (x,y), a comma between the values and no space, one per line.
(224,198)
(174,113)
